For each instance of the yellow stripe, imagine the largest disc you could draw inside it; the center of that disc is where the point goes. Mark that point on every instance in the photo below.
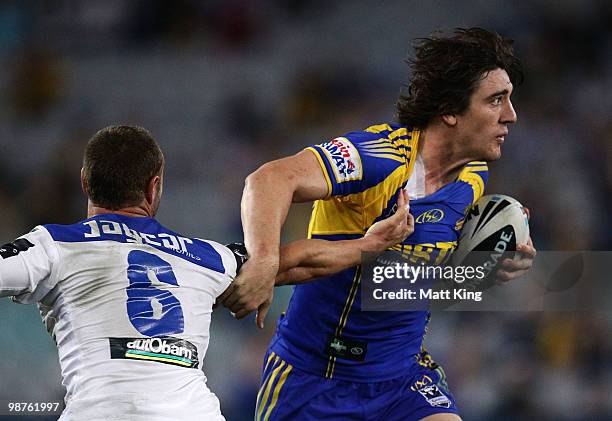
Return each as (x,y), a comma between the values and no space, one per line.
(277,389)
(479,168)
(270,382)
(331,365)
(377,128)
(352,295)
(469,175)
(344,317)
(268,362)
(147,357)
(474,180)
(322,164)
(387,156)
(338,215)
(414,143)
(376,142)
(397,133)
(382,149)
(265,382)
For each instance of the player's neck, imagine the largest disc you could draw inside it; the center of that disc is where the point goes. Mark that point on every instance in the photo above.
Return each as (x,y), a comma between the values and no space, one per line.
(443,158)
(136,211)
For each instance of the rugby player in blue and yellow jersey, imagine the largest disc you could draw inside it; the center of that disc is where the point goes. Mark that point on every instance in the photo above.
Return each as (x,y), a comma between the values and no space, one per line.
(453,119)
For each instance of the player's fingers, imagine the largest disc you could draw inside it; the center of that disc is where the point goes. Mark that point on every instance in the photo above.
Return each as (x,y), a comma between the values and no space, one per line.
(241,314)
(410,223)
(233,300)
(262,311)
(526,209)
(519,264)
(402,209)
(527,250)
(503,276)
(221,298)
(401,199)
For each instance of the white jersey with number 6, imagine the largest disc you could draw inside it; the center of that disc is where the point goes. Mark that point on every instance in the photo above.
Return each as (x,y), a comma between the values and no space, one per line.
(128,303)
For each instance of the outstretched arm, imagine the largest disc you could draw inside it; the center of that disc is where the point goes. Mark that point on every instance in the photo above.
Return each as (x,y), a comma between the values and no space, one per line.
(267,195)
(303,260)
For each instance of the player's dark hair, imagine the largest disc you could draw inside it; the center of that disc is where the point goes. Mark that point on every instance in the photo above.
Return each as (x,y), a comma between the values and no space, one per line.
(119,162)
(446,71)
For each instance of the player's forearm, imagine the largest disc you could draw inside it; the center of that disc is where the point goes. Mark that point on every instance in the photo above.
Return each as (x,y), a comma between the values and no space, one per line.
(304,260)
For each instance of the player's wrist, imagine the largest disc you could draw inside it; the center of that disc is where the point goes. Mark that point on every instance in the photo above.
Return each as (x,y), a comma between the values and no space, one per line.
(372,244)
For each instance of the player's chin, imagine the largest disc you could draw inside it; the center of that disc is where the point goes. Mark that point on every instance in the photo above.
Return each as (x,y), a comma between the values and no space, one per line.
(493,153)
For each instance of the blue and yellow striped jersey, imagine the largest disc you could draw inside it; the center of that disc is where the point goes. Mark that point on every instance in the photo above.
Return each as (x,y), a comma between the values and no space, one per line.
(365,172)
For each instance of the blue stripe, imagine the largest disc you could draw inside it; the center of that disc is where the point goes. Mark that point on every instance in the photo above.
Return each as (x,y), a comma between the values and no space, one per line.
(198,252)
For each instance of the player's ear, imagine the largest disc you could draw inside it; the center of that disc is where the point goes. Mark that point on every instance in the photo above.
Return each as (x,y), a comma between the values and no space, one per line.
(84,186)
(153,189)
(449,119)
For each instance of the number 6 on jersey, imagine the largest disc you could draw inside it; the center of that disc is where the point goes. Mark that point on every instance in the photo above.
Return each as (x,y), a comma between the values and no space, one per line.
(141,295)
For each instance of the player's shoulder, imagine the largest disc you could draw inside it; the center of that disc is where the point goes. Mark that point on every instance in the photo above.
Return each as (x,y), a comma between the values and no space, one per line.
(474,169)
(381,132)
(233,255)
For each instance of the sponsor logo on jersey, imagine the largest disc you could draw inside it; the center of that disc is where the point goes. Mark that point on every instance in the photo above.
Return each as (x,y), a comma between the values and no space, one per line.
(166,349)
(346,348)
(430,216)
(102,228)
(425,380)
(434,396)
(344,159)
(14,248)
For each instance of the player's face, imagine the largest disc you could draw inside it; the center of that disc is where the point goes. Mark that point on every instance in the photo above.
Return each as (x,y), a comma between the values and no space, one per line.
(484,125)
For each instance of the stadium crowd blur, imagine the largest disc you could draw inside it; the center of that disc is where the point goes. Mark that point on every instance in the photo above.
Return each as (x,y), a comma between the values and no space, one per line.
(226,85)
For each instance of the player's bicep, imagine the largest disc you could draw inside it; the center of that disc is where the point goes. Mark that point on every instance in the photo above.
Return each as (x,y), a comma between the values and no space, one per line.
(314,183)
(301,174)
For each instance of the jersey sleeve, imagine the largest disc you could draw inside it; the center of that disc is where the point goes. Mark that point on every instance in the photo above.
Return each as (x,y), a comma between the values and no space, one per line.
(230,264)
(357,161)
(27,266)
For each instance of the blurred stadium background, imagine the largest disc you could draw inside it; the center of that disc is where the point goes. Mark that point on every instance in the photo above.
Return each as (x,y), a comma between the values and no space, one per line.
(226,85)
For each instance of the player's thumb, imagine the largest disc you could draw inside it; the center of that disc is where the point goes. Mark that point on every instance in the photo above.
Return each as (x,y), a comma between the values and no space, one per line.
(262,311)
(409,224)
(403,206)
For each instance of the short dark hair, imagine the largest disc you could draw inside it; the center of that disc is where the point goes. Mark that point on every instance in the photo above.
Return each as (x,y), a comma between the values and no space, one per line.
(118,164)
(446,71)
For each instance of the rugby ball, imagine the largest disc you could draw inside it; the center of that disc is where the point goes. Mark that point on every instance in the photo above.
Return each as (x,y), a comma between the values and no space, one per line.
(491,230)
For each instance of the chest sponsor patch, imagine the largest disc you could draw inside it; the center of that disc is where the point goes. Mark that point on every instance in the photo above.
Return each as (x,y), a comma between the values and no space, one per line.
(164,349)
(434,396)
(344,159)
(430,216)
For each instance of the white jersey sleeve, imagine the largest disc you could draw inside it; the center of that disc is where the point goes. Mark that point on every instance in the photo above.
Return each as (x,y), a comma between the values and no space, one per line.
(27,266)
(229,263)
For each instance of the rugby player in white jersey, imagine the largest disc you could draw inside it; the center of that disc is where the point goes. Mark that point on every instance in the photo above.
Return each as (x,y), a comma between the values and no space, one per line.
(128,301)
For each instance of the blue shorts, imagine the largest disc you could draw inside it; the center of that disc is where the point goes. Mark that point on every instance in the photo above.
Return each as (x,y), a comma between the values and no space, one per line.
(287,393)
